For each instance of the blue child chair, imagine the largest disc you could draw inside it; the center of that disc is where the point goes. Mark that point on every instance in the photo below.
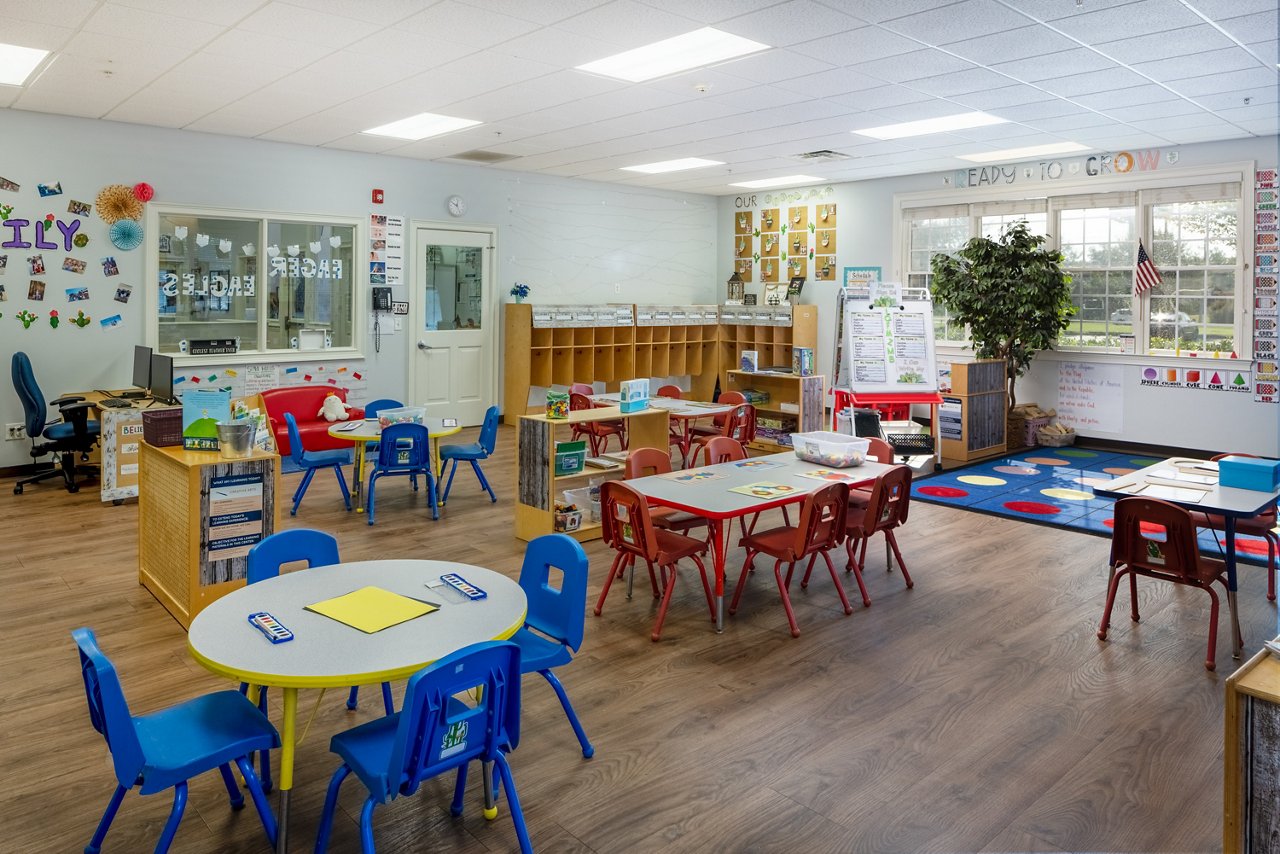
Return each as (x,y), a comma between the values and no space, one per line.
(311,461)
(472,453)
(295,545)
(165,749)
(404,449)
(553,626)
(433,733)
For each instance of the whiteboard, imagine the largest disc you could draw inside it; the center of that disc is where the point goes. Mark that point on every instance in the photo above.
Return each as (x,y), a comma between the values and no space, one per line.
(888,348)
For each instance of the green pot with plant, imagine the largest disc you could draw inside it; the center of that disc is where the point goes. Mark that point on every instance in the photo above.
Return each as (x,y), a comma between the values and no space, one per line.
(1011,292)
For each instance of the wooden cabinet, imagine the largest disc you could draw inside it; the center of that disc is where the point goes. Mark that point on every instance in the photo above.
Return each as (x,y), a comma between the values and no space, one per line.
(1251,757)
(561,345)
(198,515)
(538,488)
(791,398)
(971,418)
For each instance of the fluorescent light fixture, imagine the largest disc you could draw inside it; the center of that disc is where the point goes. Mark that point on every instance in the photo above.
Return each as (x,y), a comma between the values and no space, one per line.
(672,165)
(669,56)
(17,63)
(941,124)
(784,181)
(421,126)
(1029,151)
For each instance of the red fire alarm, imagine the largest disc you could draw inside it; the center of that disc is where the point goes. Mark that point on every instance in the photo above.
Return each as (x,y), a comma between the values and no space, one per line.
(377,197)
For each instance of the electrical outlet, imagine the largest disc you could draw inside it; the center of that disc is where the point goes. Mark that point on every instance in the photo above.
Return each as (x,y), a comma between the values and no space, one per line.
(13,432)
(617,287)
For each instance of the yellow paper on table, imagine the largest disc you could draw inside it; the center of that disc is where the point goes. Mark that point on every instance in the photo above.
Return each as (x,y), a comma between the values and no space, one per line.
(372,609)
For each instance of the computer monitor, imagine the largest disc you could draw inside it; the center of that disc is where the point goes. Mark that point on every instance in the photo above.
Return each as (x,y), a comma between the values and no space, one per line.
(162,378)
(141,371)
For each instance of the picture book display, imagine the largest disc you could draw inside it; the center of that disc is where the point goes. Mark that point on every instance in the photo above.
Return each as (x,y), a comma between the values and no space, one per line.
(202,409)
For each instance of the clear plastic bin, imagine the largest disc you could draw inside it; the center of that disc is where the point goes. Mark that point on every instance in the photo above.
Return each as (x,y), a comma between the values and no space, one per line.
(587,499)
(825,448)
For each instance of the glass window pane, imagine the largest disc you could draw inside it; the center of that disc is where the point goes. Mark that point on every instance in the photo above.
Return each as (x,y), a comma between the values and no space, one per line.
(208,271)
(310,280)
(452,288)
(1196,251)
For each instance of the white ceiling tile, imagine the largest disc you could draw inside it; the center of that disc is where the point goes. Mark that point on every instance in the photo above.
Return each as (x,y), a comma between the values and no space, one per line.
(36,34)
(483,72)
(382,12)
(998,100)
(1094,81)
(1066,125)
(913,66)
(1266,52)
(708,11)
(1037,68)
(866,44)
(64,102)
(1228,100)
(1247,27)
(1160,109)
(9,94)
(122,53)
(477,25)
(880,97)
(957,22)
(1241,82)
(64,13)
(1007,44)
(283,20)
(409,48)
(1230,8)
(161,108)
(1053,10)
(223,12)
(242,46)
(1186,136)
(1163,126)
(171,31)
(1034,110)
(1262,127)
(568,48)
(317,129)
(970,80)
(1145,46)
(769,66)
(1114,22)
(879,10)
(756,98)
(835,81)
(233,124)
(1115,100)
(627,22)
(228,80)
(792,22)
(1198,64)
(365,142)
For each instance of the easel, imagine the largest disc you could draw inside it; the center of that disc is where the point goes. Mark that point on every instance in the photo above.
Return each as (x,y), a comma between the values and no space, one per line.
(918,301)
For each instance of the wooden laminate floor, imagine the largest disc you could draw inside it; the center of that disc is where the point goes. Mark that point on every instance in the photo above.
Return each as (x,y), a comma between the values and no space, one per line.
(977,712)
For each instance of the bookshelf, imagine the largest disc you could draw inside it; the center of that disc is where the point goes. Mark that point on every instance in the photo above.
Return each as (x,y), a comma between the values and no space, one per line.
(971,418)
(1251,756)
(802,399)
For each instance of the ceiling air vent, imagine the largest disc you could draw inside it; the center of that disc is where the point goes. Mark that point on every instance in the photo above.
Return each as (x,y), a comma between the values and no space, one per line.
(479,155)
(824,154)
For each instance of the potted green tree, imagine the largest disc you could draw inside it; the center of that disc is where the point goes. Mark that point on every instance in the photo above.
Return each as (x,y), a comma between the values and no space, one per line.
(1011,292)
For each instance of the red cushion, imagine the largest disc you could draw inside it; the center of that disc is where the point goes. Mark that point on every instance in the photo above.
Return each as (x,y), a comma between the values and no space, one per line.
(304,402)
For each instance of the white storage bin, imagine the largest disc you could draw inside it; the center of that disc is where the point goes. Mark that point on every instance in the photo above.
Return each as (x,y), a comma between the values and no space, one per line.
(825,448)
(587,499)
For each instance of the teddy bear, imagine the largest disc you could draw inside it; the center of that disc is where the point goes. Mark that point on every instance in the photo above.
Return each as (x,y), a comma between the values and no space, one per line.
(333,409)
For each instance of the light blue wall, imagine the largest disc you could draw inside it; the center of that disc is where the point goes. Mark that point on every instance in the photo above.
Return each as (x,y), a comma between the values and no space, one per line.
(571,241)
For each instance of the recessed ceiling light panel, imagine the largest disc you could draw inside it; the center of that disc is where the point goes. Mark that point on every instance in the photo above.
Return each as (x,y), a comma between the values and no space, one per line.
(670,56)
(672,165)
(941,124)
(784,181)
(1028,151)
(421,126)
(17,63)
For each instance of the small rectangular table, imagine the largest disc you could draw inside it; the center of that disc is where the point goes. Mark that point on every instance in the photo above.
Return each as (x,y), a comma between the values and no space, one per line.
(1225,501)
(684,412)
(713,500)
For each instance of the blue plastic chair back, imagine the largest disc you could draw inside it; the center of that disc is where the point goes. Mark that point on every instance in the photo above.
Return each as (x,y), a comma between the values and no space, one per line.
(295,440)
(108,709)
(558,614)
(24,382)
(374,407)
(489,431)
(315,547)
(404,446)
(437,733)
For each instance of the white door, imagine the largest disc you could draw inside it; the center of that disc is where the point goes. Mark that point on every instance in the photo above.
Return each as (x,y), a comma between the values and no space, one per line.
(454,359)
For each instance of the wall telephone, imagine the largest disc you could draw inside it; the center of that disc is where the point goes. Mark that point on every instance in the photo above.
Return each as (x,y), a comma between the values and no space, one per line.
(381,299)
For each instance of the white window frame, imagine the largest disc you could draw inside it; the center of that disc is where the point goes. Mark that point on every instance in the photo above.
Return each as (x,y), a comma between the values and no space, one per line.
(1149,185)
(359,284)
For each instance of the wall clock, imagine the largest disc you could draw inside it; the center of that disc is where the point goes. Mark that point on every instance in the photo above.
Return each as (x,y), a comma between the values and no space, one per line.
(457,205)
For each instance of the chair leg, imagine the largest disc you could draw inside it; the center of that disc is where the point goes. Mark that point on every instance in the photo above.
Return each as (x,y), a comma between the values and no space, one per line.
(587,750)
(95,844)
(656,634)
(455,808)
(490,778)
(742,582)
(330,804)
(366,825)
(368,499)
(448,484)
(706,586)
(342,483)
(1273,545)
(301,490)
(387,705)
(259,798)
(856,568)
(517,814)
(175,816)
(1133,596)
(484,483)
(608,580)
(1113,585)
(892,541)
(432,495)
(835,579)
(353,699)
(1210,660)
(786,600)
(233,791)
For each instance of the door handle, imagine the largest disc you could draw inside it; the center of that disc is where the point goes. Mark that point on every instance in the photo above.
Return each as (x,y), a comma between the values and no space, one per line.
(423,345)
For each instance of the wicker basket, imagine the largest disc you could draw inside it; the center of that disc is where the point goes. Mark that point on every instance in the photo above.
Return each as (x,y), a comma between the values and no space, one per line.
(1056,440)
(162,427)
(1033,430)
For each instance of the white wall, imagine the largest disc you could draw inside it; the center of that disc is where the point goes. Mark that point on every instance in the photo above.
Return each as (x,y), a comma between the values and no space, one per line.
(570,241)
(1193,419)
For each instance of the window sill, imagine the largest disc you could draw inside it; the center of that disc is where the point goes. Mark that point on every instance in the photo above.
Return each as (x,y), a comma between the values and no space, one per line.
(268,357)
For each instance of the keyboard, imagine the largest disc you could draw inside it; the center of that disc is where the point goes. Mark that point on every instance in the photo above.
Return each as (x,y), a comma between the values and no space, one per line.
(114,403)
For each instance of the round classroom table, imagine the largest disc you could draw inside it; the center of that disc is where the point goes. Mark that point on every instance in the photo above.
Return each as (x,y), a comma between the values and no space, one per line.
(326,653)
(368,430)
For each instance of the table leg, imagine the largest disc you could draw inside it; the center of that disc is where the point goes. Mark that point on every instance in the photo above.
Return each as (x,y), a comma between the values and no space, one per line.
(436,470)
(287,739)
(717,559)
(686,439)
(1229,529)
(357,488)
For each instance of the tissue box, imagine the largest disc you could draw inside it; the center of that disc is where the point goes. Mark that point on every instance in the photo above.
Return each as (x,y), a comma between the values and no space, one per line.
(634,395)
(802,361)
(1249,473)
(402,415)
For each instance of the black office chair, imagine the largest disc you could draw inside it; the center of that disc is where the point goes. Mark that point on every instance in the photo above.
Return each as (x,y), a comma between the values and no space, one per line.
(72,433)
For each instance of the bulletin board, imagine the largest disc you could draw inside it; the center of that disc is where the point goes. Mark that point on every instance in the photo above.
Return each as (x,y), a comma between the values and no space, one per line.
(885,341)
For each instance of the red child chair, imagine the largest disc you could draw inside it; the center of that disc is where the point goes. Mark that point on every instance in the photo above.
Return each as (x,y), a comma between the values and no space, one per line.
(885,510)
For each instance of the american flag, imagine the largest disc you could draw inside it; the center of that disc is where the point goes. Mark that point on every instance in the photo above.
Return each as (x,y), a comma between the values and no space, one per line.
(1146,276)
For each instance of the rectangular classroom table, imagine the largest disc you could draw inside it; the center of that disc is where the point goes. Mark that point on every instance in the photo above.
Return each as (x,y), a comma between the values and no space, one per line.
(684,412)
(706,492)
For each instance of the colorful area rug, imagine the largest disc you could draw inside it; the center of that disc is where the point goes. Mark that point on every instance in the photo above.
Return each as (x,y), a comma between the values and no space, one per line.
(1054,486)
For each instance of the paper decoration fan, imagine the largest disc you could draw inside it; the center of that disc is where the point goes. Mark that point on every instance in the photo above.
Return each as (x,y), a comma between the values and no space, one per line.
(143,192)
(126,234)
(116,202)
